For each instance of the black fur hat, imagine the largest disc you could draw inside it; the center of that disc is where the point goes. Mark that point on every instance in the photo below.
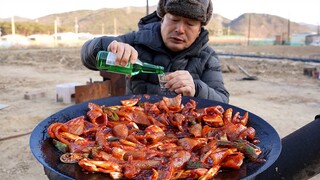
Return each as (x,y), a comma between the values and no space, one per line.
(194,9)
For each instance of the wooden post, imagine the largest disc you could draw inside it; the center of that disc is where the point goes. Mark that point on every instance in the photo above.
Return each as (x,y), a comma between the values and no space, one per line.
(92,91)
(118,82)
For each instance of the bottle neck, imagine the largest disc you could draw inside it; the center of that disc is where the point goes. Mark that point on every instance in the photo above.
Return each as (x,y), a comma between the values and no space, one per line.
(150,68)
(139,62)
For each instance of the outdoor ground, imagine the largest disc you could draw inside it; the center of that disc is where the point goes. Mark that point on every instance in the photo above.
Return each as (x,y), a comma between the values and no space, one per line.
(282,95)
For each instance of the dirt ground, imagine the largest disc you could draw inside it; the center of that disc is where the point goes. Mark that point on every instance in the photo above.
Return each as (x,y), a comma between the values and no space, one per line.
(282,95)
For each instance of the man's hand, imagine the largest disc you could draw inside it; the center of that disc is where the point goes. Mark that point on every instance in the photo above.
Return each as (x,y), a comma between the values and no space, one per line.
(125,52)
(181,82)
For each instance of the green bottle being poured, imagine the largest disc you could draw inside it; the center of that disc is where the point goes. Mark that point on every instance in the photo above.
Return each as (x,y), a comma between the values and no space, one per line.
(106,60)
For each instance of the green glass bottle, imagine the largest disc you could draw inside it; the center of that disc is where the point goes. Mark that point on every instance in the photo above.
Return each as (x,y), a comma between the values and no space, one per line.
(106,60)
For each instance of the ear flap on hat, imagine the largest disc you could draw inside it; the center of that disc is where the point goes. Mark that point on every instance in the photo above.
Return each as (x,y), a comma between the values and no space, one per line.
(160,9)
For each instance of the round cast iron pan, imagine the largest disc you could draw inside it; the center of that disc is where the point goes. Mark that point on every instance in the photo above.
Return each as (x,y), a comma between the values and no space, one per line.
(44,151)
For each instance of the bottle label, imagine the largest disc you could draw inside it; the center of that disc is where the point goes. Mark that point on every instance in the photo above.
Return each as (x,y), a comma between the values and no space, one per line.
(111,58)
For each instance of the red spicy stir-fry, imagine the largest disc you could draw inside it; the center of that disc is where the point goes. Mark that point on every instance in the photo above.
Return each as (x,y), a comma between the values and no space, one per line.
(162,140)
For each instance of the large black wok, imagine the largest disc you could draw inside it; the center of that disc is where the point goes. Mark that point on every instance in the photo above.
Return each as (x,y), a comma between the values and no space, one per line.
(42,148)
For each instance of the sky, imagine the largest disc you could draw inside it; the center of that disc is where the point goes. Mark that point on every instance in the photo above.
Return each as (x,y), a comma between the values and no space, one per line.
(306,11)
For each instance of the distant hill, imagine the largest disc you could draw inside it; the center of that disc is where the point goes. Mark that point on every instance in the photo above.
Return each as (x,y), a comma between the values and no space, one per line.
(18,19)
(265,25)
(122,20)
(101,21)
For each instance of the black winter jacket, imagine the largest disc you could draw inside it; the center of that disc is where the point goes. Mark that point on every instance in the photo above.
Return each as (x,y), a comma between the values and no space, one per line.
(199,59)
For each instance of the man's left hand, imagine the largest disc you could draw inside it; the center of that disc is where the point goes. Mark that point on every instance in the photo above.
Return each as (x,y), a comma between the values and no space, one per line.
(181,82)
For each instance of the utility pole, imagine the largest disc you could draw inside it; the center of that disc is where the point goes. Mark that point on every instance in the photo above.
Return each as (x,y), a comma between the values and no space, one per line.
(55,32)
(147,8)
(76,25)
(249,27)
(102,28)
(13,28)
(288,37)
(115,26)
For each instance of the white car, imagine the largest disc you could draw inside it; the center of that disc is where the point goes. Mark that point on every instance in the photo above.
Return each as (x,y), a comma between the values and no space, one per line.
(316,43)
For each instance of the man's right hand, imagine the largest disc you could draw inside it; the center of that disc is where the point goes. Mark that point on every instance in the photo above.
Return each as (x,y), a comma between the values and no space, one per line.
(125,52)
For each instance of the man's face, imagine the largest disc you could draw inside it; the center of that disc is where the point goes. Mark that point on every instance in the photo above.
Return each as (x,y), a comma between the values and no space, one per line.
(178,33)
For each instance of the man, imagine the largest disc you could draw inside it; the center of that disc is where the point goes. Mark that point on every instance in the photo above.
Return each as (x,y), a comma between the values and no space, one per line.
(173,37)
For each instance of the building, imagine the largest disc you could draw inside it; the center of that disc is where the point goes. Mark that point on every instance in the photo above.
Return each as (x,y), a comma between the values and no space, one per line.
(41,40)
(11,40)
(313,40)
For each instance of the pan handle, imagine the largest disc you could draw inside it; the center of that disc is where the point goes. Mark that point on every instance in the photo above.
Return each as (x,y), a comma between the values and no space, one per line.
(300,155)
